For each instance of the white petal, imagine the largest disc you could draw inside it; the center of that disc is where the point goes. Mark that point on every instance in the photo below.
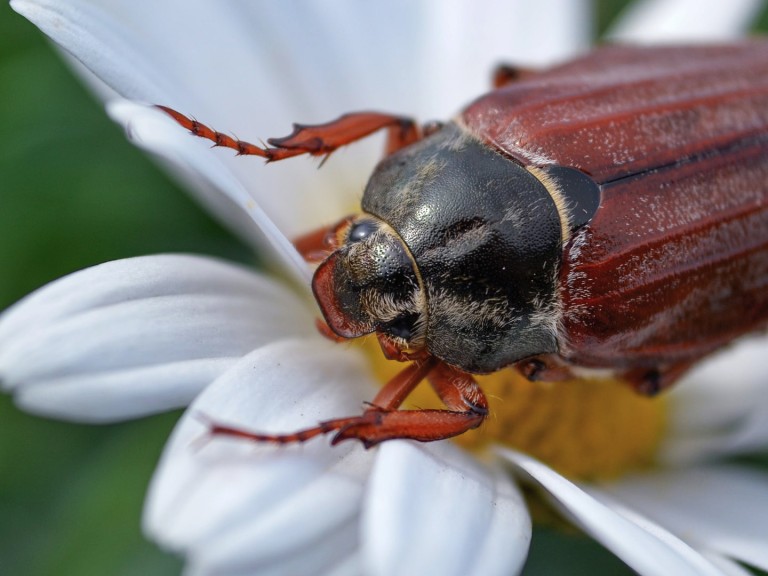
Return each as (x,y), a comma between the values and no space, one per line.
(138,336)
(455,46)
(645,547)
(719,508)
(274,69)
(430,509)
(721,406)
(82,28)
(685,20)
(234,507)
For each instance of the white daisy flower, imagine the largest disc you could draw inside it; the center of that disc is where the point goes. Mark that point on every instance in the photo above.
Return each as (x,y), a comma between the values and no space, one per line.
(143,335)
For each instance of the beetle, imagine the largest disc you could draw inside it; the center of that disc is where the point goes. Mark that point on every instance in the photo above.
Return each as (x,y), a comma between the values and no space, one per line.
(609,213)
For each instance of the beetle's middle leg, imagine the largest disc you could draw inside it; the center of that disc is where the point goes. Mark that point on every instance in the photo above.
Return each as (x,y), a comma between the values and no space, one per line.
(316,245)
(466,406)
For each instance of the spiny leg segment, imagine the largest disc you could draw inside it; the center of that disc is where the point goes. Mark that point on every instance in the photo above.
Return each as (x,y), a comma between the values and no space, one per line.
(315,140)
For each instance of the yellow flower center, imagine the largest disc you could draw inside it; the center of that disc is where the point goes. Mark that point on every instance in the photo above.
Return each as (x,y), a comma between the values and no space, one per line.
(584,429)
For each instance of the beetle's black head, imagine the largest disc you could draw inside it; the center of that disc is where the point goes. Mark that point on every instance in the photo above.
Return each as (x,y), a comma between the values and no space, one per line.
(370,284)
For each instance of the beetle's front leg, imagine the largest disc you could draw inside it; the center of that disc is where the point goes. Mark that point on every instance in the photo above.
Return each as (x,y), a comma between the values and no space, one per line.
(466,406)
(315,140)
(322,139)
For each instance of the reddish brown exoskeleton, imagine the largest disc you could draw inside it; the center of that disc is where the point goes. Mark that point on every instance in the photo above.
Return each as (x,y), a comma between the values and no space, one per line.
(608,213)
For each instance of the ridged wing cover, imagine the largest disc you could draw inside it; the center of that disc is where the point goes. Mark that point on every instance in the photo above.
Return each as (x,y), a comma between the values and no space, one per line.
(675,261)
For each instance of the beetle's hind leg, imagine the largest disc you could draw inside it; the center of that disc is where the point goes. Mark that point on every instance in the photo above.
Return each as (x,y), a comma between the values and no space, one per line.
(465,402)
(546,367)
(651,382)
(315,140)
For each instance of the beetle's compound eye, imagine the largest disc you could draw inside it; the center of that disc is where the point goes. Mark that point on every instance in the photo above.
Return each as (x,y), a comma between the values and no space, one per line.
(361,230)
(402,327)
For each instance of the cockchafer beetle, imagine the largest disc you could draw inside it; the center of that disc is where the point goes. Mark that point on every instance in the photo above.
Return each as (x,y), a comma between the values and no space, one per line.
(607,213)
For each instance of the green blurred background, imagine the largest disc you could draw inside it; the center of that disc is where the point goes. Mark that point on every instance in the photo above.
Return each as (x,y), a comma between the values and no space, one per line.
(74,193)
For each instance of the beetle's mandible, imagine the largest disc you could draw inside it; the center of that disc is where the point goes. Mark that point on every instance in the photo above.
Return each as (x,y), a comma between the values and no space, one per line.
(607,213)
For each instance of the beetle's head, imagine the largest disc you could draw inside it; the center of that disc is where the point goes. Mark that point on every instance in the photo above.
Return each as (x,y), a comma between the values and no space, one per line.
(370,284)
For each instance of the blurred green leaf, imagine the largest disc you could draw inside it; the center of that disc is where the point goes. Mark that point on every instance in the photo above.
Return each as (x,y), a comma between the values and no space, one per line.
(557,553)
(71,496)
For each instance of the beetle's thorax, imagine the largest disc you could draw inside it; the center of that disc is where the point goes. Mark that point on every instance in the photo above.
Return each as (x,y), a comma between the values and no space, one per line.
(486,240)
